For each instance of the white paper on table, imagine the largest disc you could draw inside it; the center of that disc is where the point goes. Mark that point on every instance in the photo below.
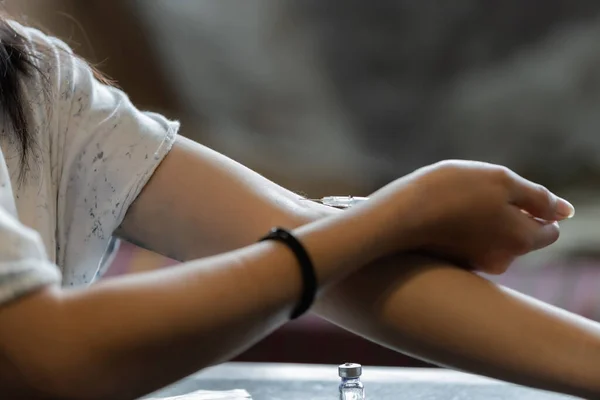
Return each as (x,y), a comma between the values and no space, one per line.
(237,394)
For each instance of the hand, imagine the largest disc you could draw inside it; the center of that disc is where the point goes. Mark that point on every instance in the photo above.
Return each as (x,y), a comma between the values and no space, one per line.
(478,213)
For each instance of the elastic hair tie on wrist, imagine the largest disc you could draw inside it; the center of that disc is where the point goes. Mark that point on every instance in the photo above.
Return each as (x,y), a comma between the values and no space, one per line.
(309,278)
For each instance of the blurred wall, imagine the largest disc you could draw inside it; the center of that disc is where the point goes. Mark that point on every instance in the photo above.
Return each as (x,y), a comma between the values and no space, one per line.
(368,92)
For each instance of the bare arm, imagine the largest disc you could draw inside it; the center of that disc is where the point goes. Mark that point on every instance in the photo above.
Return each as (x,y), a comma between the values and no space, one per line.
(455,318)
(203,203)
(430,310)
(126,337)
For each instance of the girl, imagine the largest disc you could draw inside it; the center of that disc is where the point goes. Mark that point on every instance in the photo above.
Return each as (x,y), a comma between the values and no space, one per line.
(80,165)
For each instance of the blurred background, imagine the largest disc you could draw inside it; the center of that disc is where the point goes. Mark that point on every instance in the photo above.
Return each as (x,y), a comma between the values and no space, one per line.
(342,96)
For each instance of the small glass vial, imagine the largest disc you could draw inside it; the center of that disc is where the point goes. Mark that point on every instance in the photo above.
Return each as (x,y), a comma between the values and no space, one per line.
(351,388)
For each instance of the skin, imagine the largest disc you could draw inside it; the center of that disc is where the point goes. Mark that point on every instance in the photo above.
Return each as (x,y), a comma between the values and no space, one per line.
(127,336)
(396,301)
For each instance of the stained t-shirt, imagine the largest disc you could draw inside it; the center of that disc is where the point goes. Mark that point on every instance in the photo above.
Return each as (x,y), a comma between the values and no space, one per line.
(93,153)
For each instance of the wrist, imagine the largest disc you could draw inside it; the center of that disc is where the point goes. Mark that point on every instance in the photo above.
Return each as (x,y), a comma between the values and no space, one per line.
(399,226)
(339,244)
(394,226)
(313,211)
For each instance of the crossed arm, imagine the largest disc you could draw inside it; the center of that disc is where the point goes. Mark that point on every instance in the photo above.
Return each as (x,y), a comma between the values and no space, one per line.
(127,336)
(203,203)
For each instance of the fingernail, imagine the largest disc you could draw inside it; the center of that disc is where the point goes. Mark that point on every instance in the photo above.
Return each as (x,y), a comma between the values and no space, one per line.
(564,209)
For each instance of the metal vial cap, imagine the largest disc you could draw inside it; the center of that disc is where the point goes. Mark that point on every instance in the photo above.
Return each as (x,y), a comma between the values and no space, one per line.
(350,370)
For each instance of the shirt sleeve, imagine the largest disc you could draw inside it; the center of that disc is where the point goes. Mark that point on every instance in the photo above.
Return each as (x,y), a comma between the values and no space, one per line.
(104,150)
(24,265)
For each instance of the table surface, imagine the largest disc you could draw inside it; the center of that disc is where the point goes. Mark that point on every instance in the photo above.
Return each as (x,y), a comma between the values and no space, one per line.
(319,382)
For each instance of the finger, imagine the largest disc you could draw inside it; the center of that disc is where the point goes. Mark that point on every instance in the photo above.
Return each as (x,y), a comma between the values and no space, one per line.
(539,220)
(528,233)
(539,201)
(537,234)
(545,235)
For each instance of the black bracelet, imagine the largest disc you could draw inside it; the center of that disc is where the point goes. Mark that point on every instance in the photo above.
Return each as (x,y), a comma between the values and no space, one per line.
(309,278)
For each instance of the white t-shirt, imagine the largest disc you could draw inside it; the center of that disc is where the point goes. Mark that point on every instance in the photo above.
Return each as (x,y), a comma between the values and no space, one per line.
(94,152)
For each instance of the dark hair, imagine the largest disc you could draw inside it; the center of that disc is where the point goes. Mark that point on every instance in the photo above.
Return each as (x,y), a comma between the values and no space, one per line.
(15,65)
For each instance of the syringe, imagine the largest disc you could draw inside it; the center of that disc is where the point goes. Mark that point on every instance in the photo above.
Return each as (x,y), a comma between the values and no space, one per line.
(340,201)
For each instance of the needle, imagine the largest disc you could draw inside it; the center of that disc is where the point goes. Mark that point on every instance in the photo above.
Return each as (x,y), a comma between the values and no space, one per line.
(340,201)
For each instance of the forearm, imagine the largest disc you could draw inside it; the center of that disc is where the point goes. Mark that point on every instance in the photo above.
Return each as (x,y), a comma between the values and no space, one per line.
(455,318)
(238,205)
(125,337)
(434,311)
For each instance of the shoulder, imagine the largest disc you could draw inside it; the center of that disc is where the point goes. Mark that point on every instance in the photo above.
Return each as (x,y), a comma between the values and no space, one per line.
(42,47)
(62,89)
(58,72)
(46,52)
